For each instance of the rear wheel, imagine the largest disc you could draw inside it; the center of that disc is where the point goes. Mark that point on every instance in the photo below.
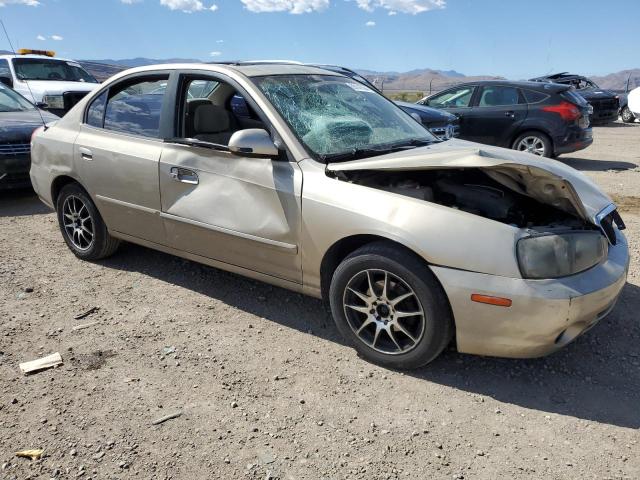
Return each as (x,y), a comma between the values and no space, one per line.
(389,306)
(627,116)
(536,143)
(81,225)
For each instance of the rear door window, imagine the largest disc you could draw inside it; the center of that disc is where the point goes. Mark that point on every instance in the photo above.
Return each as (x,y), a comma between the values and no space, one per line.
(135,107)
(499,96)
(534,97)
(457,97)
(95,114)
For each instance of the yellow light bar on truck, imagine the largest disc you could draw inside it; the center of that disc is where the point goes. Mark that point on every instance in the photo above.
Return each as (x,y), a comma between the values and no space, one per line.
(28,51)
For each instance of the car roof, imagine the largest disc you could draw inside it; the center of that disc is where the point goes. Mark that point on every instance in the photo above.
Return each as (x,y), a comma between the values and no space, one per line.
(249,69)
(511,83)
(559,77)
(40,57)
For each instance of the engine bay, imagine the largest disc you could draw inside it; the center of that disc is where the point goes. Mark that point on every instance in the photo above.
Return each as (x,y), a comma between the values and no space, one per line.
(470,190)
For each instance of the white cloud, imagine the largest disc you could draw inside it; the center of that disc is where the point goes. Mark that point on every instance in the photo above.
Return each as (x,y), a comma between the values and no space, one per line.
(187,6)
(41,38)
(370,24)
(403,6)
(57,38)
(130,2)
(291,6)
(392,12)
(29,3)
(219,41)
(215,54)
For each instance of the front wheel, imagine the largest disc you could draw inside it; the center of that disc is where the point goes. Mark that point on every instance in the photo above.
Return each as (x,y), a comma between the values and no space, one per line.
(536,143)
(81,225)
(390,307)
(627,116)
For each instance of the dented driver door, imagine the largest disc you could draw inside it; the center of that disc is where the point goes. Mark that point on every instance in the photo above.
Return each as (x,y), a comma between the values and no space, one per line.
(241,211)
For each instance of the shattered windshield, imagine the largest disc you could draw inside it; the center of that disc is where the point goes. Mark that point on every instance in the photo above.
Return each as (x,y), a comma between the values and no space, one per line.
(338,118)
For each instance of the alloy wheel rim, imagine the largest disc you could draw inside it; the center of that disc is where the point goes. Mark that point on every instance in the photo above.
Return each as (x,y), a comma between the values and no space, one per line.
(533,145)
(626,114)
(77,222)
(383,311)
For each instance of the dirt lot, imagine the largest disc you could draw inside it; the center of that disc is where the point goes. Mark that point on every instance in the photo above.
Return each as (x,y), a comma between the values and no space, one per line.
(267,389)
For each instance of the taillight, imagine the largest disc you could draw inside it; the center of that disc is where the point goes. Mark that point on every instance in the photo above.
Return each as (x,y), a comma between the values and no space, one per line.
(35,132)
(568,111)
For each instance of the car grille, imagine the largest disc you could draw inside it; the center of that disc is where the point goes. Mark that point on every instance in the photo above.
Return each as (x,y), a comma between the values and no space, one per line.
(441,131)
(605,104)
(14,148)
(71,98)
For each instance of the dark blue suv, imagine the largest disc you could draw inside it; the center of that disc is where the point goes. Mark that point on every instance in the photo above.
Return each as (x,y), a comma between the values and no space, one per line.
(545,119)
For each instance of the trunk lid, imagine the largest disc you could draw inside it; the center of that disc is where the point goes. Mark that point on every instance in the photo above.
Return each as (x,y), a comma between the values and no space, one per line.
(543,179)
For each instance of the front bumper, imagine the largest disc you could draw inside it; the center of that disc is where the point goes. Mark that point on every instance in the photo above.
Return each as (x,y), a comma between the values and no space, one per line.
(545,314)
(14,172)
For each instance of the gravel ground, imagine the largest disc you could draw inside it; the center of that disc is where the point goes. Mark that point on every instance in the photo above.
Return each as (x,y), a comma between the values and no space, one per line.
(266,388)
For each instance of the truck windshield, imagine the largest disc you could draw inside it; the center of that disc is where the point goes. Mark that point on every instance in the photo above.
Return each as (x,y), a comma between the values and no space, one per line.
(11,101)
(51,69)
(338,118)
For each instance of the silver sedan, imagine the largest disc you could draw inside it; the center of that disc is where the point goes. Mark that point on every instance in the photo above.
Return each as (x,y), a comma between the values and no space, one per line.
(307,179)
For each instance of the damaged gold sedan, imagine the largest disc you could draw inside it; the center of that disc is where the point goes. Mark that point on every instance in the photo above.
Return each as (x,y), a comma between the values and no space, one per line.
(306,179)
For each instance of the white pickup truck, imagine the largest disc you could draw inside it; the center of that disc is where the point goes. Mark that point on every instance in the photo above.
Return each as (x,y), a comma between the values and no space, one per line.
(54,84)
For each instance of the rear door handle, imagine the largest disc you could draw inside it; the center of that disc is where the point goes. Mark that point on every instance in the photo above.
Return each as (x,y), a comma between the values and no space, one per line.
(85,153)
(184,175)
(510,113)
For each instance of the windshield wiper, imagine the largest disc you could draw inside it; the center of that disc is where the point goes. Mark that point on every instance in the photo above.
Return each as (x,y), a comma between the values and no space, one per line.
(194,142)
(357,153)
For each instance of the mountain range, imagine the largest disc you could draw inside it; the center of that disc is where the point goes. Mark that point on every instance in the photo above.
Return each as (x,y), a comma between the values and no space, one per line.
(423,80)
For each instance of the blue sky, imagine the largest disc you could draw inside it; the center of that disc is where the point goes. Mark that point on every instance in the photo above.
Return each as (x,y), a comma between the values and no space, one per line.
(513,38)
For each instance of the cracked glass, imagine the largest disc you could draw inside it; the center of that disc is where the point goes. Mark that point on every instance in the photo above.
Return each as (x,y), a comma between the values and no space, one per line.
(333,115)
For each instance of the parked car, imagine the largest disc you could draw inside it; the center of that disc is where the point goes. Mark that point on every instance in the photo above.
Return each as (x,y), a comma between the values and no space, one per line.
(542,119)
(54,84)
(18,119)
(633,102)
(625,112)
(335,192)
(605,103)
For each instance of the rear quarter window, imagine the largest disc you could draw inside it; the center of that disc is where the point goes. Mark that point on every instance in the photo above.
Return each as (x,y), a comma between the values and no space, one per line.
(531,96)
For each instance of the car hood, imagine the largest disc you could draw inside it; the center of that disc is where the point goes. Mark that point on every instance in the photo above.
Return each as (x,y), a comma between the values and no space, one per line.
(53,87)
(546,180)
(20,125)
(433,114)
(595,93)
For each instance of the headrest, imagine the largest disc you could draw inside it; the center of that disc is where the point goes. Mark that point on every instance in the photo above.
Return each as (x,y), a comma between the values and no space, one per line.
(210,118)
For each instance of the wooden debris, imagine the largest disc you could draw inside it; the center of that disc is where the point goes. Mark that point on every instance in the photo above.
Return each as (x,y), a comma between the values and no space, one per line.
(83,326)
(82,315)
(34,454)
(43,363)
(166,417)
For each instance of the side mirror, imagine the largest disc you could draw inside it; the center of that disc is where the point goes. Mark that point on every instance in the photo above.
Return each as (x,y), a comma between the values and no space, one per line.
(416,117)
(8,81)
(252,142)
(42,105)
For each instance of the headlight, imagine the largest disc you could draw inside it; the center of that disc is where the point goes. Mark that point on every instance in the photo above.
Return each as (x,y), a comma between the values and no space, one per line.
(54,101)
(553,256)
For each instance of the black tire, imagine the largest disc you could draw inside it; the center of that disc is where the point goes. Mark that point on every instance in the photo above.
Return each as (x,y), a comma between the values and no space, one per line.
(412,270)
(546,141)
(627,116)
(102,244)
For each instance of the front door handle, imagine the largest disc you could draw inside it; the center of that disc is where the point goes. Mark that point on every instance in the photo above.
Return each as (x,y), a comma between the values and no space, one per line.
(510,114)
(184,175)
(85,153)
